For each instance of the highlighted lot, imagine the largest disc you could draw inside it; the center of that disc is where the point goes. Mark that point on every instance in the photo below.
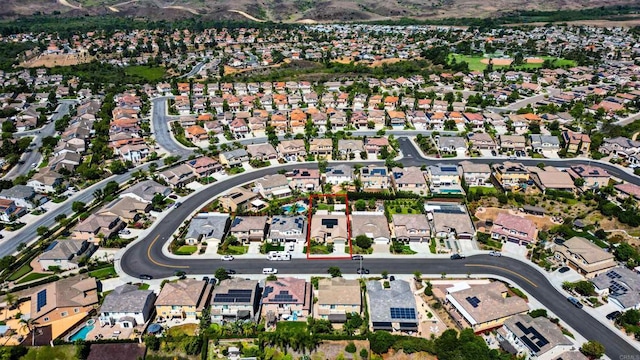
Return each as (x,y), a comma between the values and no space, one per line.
(328,227)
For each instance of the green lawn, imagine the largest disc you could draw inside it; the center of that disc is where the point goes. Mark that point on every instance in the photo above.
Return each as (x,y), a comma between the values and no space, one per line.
(103,273)
(234,250)
(475,62)
(58,352)
(317,250)
(143,287)
(402,207)
(291,326)
(483,191)
(150,74)
(186,250)
(406,250)
(22,271)
(31,277)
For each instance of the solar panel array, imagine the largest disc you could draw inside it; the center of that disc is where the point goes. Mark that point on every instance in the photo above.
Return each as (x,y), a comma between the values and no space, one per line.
(448,210)
(234,296)
(41,300)
(403,313)
(329,223)
(613,275)
(532,338)
(617,289)
(473,300)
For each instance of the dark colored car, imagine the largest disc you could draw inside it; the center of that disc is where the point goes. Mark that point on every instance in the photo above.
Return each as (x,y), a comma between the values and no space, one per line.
(362,271)
(145,277)
(357,257)
(575,302)
(230,272)
(563,269)
(457,256)
(392,278)
(613,315)
(177,205)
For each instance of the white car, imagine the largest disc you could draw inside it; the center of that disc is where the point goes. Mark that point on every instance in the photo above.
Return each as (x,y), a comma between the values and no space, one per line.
(227,258)
(495,253)
(269,271)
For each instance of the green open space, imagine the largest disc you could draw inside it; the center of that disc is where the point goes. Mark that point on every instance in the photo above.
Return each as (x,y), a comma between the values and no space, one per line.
(186,250)
(291,326)
(233,250)
(22,271)
(103,273)
(475,62)
(151,74)
(58,352)
(31,277)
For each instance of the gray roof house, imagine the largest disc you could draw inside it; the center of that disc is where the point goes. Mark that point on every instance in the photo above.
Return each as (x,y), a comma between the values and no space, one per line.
(288,228)
(536,338)
(146,190)
(539,143)
(234,299)
(392,309)
(127,306)
(338,174)
(371,224)
(234,157)
(65,254)
(22,195)
(621,285)
(207,227)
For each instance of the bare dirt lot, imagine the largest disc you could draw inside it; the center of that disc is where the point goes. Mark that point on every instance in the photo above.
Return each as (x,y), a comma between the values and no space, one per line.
(542,222)
(51,60)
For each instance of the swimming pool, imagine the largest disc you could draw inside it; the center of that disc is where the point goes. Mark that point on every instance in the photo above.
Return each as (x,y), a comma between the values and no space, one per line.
(299,207)
(82,333)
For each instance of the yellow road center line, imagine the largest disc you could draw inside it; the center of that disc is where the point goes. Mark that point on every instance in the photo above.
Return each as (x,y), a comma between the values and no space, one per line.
(159,263)
(507,270)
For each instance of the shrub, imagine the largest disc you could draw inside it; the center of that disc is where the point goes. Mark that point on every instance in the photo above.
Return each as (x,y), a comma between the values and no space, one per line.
(364,353)
(350,348)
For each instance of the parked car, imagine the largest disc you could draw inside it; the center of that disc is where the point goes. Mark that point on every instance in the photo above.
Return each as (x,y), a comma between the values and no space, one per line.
(493,153)
(177,205)
(575,302)
(357,257)
(227,258)
(269,271)
(362,271)
(230,272)
(613,315)
(145,277)
(563,269)
(495,253)
(457,256)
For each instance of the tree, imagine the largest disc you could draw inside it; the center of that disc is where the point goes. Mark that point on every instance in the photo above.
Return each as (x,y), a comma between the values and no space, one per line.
(41,230)
(592,349)
(221,274)
(83,349)
(350,348)
(7,261)
(417,275)
(98,195)
(364,353)
(381,341)
(578,182)
(78,206)
(152,342)
(362,241)
(31,325)
(360,205)
(334,271)
(117,167)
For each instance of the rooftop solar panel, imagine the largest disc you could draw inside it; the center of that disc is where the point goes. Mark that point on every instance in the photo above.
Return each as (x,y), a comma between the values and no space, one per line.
(403,313)
(41,300)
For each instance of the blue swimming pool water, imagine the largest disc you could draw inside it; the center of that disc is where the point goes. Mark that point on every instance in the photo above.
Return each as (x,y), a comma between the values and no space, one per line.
(298,207)
(82,333)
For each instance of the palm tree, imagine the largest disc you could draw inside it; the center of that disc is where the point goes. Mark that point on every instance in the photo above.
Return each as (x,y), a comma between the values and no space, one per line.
(31,325)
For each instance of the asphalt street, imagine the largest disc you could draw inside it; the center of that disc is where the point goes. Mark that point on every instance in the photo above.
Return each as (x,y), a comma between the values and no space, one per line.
(161,129)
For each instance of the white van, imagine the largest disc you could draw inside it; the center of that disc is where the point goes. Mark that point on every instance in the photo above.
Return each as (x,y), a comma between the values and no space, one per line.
(278,255)
(269,271)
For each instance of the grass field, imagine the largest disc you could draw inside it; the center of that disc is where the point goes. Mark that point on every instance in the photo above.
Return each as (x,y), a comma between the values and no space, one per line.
(291,326)
(475,62)
(103,273)
(233,250)
(186,250)
(32,277)
(150,74)
(59,352)
(22,271)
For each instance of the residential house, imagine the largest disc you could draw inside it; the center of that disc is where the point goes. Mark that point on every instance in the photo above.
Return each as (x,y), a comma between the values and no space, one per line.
(512,228)
(593,177)
(97,227)
(60,305)
(178,176)
(288,229)
(9,211)
(64,254)
(239,128)
(374,145)
(209,226)
(262,152)
(127,306)
(551,178)
(249,228)
(513,143)
(374,178)
(620,286)
(510,175)
(184,299)
(444,178)
(237,197)
(329,227)
(235,299)
(483,307)
(292,150)
(576,142)
(393,308)
(475,174)
(410,179)
(287,298)
(127,209)
(338,174)
(350,148)
(620,147)
(23,196)
(626,190)
(204,166)
(338,297)
(146,190)
(234,158)
(273,186)
(542,143)
(452,144)
(304,179)
(196,133)
(373,225)
(482,141)
(450,220)
(46,181)
(321,147)
(535,338)
(585,257)
(410,227)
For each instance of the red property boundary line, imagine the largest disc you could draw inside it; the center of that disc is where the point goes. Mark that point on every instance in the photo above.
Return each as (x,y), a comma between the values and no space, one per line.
(346,201)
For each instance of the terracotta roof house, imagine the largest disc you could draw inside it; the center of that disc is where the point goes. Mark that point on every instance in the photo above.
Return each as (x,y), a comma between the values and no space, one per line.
(178,176)
(576,142)
(512,228)
(92,227)
(287,298)
(374,145)
(410,179)
(329,228)
(484,307)
(249,228)
(628,190)
(410,227)
(184,299)
(338,297)
(373,225)
(204,166)
(585,257)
